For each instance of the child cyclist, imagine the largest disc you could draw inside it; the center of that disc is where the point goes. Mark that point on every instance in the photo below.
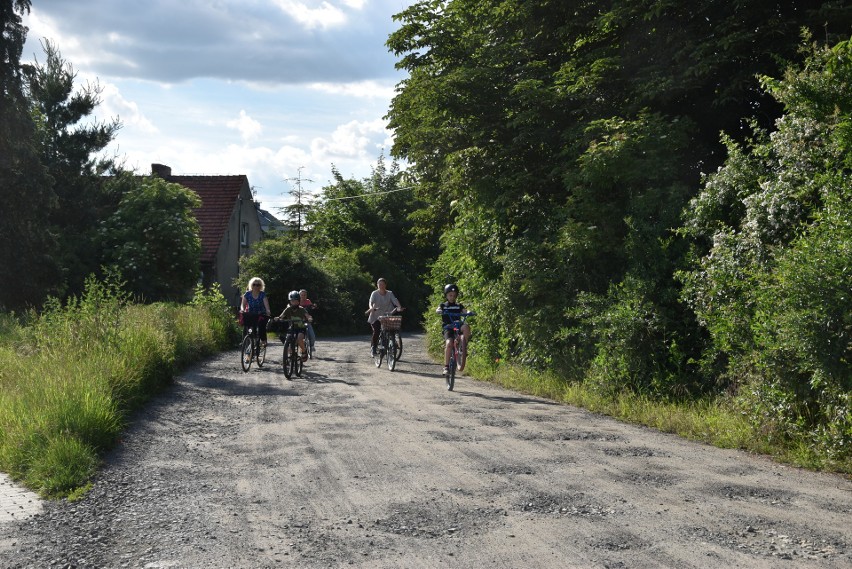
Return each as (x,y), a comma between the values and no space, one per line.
(451,311)
(301,316)
(306,303)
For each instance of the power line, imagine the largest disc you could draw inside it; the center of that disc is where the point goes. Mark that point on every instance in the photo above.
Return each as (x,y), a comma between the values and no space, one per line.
(368,195)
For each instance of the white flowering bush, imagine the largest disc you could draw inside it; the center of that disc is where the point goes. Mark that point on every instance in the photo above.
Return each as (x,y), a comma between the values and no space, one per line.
(774,289)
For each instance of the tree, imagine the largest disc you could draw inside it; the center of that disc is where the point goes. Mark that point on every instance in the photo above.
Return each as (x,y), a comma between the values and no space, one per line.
(68,149)
(297,212)
(556,142)
(153,237)
(27,270)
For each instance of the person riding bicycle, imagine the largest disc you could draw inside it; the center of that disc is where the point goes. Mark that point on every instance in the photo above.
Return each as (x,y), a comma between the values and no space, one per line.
(294,310)
(306,303)
(253,305)
(382,302)
(451,311)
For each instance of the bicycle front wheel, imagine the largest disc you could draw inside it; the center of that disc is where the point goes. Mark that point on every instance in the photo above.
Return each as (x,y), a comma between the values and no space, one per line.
(246,353)
(391,353)
(380,350)
(288,360)
(451,373)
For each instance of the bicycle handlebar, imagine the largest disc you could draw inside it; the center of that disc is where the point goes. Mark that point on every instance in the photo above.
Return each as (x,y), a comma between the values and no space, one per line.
(457,319)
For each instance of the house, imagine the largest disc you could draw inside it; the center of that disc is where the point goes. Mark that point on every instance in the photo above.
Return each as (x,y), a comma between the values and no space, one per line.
(269,224)
(229,222)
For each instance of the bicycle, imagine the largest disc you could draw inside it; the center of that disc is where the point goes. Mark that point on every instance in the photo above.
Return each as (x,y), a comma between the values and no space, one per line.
(252,349)
(458,356)
(390,342)
(292,361)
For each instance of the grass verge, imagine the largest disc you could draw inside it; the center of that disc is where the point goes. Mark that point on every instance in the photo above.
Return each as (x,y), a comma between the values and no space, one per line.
(70,376)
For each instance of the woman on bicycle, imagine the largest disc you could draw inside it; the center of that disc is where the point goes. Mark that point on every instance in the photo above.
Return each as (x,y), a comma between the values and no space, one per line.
(451,311)
(253,305)
(295,310)
(382,301)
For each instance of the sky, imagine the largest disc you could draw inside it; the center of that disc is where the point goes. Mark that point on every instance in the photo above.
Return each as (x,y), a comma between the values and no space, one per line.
(278,90)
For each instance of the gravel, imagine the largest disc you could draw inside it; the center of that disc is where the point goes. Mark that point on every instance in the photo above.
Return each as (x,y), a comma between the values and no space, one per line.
(353,466)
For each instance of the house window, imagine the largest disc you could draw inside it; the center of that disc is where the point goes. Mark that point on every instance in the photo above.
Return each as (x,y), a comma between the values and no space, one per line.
(244,236)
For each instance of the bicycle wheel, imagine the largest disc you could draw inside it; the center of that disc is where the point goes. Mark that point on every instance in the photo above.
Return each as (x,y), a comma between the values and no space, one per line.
(246,353)
(381,346)
(451,372)
(295,360)
(462,359)
(261,354)
(391,352)
(288,361)
(398,337)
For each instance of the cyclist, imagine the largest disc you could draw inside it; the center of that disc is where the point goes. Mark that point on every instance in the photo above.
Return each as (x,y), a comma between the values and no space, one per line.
(450,311)
(306,303)
(294,310)
(382,301)
(254,304)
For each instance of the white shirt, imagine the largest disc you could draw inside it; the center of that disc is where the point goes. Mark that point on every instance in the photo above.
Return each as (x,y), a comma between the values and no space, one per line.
(385,304)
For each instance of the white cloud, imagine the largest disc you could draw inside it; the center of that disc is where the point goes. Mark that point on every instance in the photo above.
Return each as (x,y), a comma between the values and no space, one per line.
(324,17)
(248,127)
(360,89)
(353,140)
(114,105)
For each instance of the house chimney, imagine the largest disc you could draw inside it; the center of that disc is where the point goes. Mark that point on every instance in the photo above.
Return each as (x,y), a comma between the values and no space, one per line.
(161,170)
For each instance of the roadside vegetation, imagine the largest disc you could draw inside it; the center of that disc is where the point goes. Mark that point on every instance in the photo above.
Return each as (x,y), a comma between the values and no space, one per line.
(71,375)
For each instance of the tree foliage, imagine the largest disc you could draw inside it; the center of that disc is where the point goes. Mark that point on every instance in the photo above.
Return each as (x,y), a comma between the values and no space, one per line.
(153,237)
(556,143)
(25,184)
(69,149)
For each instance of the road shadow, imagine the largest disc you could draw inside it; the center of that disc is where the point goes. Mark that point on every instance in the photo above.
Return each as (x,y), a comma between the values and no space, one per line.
(505,398)
(255,382)
(315,377)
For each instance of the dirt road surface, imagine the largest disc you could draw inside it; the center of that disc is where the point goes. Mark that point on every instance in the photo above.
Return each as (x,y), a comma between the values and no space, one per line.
(353,466)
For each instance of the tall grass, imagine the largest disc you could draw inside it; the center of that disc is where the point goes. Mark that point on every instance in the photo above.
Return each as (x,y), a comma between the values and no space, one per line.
(70,375)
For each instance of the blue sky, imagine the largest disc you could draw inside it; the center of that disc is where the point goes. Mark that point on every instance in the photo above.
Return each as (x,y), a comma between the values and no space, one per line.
(273,89)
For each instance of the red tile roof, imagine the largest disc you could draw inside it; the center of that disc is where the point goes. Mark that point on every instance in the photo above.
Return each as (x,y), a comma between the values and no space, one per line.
(219,196)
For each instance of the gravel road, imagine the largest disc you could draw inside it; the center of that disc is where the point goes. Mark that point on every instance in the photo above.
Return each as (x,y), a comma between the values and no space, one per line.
(353,466)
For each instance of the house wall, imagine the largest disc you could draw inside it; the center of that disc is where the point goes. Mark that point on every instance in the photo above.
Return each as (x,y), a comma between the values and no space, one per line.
(230,249)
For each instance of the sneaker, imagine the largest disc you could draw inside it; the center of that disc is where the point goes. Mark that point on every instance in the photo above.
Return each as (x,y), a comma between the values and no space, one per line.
(446,370)
(304,358)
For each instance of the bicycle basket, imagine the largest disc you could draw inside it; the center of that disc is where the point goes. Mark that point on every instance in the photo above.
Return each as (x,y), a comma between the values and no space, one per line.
(391,322)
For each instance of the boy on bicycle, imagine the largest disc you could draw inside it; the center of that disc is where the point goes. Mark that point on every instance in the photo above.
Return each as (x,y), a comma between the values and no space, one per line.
(451,311)
(300,318)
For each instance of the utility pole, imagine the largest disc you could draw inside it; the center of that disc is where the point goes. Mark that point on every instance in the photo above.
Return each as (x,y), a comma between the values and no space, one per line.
(297,210)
